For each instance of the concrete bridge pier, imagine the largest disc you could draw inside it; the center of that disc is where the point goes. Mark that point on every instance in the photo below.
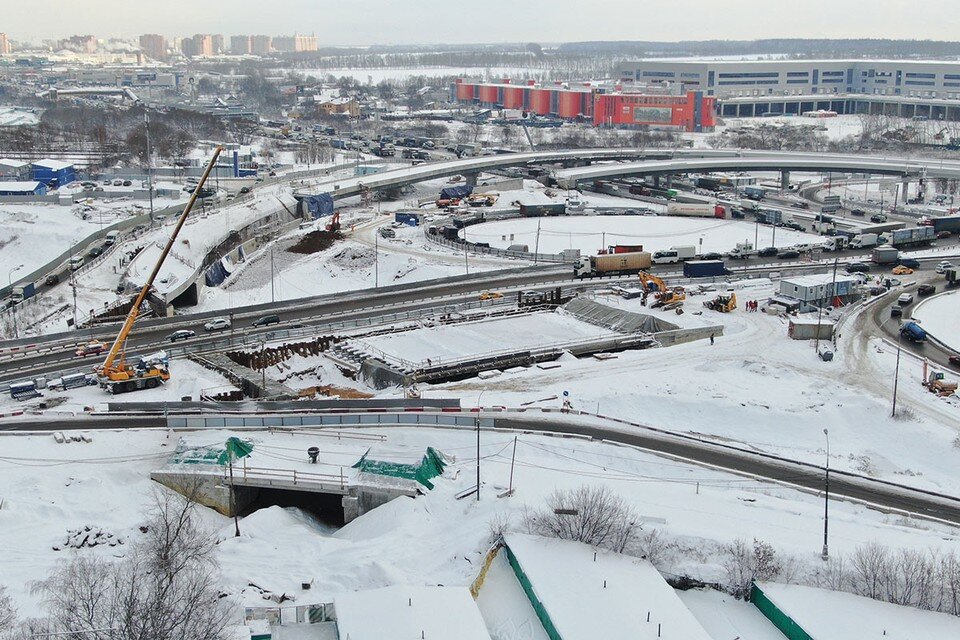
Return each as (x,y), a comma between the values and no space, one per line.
(784,181)
(470,179)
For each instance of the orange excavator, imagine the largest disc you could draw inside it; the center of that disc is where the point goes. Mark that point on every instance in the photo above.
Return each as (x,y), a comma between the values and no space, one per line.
(116,375)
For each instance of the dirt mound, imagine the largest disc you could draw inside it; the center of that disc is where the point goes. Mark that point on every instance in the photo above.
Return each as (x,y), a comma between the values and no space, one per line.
(316,241)
(354,258)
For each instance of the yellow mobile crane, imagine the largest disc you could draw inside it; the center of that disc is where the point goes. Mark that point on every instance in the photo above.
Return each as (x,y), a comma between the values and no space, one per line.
(115,374)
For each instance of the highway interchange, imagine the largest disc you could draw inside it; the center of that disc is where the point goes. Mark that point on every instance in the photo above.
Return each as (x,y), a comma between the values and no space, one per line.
(53,354)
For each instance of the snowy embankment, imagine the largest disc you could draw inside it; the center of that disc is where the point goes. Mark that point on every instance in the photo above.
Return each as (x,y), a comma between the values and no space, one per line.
(939,316)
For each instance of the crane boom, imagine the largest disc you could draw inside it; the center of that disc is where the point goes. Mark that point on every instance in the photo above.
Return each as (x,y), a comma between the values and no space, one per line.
(120,341)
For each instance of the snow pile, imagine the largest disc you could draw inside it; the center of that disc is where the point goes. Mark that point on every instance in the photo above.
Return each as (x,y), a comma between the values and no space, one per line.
(354,257)
(88,537)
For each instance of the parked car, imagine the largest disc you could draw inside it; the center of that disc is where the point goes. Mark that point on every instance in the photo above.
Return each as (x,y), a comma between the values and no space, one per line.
(943,234)
(926,290)
(127,183)
(878,218)
(266,320)
(901,270)
(788,254)
(768,252)
(244,189)
(182,334)
(217,324)
(118,183)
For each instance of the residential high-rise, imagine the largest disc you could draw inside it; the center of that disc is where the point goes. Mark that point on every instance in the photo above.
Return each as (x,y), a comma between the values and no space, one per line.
(4,43)
(261,45)
(304,43)
(81,44)
(153,46)
(241,45)
(219,46)
(200,45)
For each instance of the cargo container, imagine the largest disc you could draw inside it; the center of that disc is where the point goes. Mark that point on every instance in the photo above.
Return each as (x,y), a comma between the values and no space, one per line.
(754,193)
(947,223)
(612,264)
(624,248)
(914,237)
(703,268)
(695,210)
(24,390)
(520,248)
(533,210)
(407,218)
(885,255)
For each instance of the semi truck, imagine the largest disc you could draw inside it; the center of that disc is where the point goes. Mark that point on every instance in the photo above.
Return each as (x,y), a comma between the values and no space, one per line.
(754,193)
(22,291)
(612,264)
(885,255)
(946,223)
(864,241)
(674,254)
(695,210)
(914,237)
(703,268)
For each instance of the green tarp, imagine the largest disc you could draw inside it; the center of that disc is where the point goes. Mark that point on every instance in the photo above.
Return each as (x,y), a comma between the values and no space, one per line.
(430,466)
(214,454)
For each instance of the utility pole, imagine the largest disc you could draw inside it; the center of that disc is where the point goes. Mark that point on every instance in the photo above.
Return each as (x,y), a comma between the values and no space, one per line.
(376,259)
(513,459)
(272,293)
(479,398)
(146,124)
(73,285)
(826,499)
(536,246)
(896,375)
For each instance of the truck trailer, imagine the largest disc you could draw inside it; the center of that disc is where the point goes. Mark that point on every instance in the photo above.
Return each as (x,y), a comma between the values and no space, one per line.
(695,210)
(913,237)
(885,255)
(22,291)
(703,268)
(612,264)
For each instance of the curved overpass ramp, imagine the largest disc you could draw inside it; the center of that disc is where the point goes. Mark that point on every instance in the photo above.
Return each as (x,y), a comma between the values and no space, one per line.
(765,161)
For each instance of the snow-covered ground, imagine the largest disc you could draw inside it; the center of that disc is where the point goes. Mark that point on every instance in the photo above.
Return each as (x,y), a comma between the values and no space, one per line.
(590,233)
(16,116)
(940,316)
(725,617)
(49,489)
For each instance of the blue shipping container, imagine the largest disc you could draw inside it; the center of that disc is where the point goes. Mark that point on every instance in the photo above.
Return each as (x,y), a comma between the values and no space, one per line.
(410,219)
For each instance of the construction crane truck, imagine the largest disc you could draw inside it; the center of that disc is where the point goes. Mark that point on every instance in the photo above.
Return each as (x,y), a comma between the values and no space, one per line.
(116,375)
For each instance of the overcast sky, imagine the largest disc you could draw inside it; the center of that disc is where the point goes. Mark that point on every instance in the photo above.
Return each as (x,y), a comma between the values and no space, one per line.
(341,22)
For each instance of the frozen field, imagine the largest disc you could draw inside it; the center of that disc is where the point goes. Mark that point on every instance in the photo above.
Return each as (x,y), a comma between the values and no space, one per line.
(940,316)
(590,233)
(459,341)
(34,234)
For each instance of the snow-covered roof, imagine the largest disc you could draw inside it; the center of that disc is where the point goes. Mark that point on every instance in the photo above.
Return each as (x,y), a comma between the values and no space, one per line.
(818,279)
(590,593)
(55,165)
(30,186)
(835,615)
(812,322)
(409,612)
(13,164)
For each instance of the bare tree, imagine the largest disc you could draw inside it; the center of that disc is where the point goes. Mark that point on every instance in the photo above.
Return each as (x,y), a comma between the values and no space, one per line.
(744,564)
(594,515)
(166,589)
(8,614)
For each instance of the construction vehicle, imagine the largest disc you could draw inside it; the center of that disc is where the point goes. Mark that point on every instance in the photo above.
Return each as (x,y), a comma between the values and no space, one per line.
(722,303)
(334,224)
(116,375)
(936,383)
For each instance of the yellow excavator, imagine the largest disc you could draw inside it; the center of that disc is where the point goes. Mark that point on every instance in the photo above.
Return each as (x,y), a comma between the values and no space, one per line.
(664,295)
(116,375)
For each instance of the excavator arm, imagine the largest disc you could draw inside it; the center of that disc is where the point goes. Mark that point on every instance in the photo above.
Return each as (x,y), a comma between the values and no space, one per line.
(116,350)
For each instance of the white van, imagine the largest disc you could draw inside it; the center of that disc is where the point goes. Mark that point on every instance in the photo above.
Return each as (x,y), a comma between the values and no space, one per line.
(111,238)
(76,262)
(667,256)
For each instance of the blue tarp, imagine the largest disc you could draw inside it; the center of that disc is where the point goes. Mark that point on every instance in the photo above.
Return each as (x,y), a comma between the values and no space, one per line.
(455,192)
(216,274)
(318,206)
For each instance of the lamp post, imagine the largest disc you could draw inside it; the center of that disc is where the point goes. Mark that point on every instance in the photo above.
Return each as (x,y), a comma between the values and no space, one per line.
(896,370)
(479,398)
(13,307)
(826,499)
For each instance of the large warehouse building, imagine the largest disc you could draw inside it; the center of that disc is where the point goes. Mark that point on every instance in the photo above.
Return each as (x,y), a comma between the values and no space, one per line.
(604,106)
(909,88)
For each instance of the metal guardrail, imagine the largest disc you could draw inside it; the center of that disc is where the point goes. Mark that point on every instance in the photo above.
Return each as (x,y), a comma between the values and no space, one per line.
(500,253)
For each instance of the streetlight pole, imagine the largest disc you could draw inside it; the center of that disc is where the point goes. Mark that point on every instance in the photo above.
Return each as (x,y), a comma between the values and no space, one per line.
(13,307)
(376,259)
(146,124)
(826,499)
(272,294)
(896,372)
(479,398)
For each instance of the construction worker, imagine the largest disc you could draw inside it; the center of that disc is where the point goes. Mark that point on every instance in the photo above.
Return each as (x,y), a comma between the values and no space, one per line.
(711,339)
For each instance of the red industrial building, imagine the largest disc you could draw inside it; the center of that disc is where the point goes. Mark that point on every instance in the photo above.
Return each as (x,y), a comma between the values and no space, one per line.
(604,106)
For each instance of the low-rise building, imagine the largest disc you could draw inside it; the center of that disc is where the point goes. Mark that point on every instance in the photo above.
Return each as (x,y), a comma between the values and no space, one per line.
(27,188)
(53,172)
(16,170)
(820,289)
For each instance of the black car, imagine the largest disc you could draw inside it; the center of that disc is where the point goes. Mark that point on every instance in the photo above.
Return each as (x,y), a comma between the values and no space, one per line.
(794,226)
(244,189)
(926,290)
(182,334)
(52,279)
(857,267)
(858,212)
(788,253)
(768,252)
(96,251)
(712,256)
(737,214)
(912,263)
(266,320)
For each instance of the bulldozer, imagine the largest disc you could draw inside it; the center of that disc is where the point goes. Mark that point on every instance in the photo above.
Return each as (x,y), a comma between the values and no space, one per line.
(936,383)
(116,375)
(722,303)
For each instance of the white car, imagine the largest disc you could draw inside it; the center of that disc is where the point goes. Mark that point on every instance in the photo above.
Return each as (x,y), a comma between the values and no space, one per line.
(943,266)
(217,324)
